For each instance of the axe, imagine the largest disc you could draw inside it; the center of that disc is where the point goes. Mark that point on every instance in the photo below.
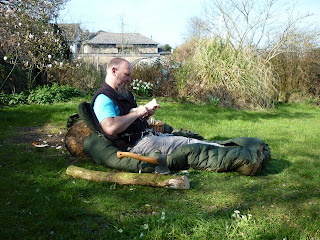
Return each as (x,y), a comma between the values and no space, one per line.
(162,167)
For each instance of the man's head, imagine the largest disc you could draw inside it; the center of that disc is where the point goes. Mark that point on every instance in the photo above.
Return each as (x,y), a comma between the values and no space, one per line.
(118,73)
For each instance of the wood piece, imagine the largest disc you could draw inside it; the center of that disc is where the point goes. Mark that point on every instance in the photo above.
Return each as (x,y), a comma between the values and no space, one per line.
(138,157)
(124,178)
(75,137)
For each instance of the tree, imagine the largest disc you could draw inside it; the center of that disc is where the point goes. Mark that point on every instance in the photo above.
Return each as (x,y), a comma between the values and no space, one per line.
(266,24)
(197,28)
(28,38)
(166,47)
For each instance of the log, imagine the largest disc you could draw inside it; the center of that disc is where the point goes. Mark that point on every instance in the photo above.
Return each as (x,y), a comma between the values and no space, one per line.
(75,137)
(124,178)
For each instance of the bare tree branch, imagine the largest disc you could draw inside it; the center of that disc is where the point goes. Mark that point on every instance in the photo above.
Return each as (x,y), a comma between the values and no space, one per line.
(253,23)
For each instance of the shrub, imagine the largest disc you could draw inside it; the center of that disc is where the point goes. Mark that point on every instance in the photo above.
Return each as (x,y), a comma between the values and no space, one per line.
(13,99)
(41,95)
(81,75)
(298,73)
(51,94)
(160,74)
(238,78)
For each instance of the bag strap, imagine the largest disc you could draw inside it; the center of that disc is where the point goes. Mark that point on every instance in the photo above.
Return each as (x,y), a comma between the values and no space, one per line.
(86,115)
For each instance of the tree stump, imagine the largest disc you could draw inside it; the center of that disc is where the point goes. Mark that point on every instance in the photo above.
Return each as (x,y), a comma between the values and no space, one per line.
(75,137)
(124,178)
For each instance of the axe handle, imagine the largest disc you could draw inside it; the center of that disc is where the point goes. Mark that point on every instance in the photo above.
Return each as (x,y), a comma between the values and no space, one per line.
(138,157)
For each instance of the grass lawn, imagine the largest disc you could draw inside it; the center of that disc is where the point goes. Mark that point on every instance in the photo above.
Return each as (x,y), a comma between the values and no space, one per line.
(39,201)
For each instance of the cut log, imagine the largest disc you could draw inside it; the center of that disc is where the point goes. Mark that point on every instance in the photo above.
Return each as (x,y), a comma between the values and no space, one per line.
(124,178)
(75,137)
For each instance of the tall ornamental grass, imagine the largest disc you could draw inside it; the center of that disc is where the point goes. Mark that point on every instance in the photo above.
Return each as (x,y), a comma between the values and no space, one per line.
(218,72)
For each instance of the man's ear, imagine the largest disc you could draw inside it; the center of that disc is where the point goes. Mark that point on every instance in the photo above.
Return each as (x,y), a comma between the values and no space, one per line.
(114,70)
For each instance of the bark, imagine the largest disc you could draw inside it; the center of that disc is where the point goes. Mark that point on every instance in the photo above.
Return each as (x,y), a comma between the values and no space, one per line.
(124,178)
(75,137)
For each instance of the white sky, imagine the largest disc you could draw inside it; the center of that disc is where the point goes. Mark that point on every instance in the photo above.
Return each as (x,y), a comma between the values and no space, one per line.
(163,20)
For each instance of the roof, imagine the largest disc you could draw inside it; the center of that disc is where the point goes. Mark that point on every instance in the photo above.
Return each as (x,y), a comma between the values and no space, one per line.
(120,38)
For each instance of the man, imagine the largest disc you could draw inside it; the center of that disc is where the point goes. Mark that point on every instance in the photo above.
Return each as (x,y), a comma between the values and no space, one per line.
(128,130)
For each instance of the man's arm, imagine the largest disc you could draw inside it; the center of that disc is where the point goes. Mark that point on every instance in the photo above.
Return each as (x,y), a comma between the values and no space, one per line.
(116,125)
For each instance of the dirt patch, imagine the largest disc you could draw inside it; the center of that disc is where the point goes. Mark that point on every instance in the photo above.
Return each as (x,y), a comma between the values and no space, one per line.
(45,135)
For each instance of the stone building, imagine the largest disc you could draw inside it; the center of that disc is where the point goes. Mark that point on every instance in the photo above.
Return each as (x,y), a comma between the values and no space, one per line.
(103,46)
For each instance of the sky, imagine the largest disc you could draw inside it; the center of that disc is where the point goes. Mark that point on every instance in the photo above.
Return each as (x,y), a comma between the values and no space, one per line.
(164,21)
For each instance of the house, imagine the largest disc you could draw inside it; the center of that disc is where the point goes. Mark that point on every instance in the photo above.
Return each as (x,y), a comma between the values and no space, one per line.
(103,46)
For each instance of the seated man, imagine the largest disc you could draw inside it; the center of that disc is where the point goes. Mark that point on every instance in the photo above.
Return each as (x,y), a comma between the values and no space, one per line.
(128,130)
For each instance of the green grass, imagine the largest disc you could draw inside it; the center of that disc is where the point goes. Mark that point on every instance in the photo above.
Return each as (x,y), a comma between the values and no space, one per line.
(39,201)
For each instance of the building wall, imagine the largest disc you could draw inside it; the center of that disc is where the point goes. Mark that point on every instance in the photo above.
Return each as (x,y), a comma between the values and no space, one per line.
(104,60)
(101,61)
(113,49)
(89,49)
(148,49)
(100,55)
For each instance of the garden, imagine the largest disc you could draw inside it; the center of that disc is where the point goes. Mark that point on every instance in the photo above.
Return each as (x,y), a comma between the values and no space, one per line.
(215,84)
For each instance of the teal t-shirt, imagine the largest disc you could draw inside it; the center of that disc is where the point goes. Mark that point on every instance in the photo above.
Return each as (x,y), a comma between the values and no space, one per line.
(104,107)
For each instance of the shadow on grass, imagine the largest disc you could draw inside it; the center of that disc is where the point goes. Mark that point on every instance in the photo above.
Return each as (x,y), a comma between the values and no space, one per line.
(275,166)
(218,138)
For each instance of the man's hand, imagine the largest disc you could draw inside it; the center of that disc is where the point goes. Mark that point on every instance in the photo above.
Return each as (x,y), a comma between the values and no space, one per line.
(142,111)
(152,111)
(152,107)
(116,125)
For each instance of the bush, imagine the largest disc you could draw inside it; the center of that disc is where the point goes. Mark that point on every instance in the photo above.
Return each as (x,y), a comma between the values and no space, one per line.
(83,76)
(219,73)
(13,99)
(299,74)
(161,75)
(51,94)
(41,95)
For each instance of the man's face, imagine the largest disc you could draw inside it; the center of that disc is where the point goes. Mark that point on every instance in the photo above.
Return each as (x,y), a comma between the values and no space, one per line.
(123,75)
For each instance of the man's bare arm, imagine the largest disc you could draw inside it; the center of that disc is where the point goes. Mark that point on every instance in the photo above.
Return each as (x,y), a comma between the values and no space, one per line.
(116,125)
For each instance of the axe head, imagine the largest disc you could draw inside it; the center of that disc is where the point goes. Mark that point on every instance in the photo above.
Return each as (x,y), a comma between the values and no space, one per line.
(162,168)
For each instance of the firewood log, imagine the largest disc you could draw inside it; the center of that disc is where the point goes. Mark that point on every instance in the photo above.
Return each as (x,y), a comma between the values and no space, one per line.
(75,137)
(124,178)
